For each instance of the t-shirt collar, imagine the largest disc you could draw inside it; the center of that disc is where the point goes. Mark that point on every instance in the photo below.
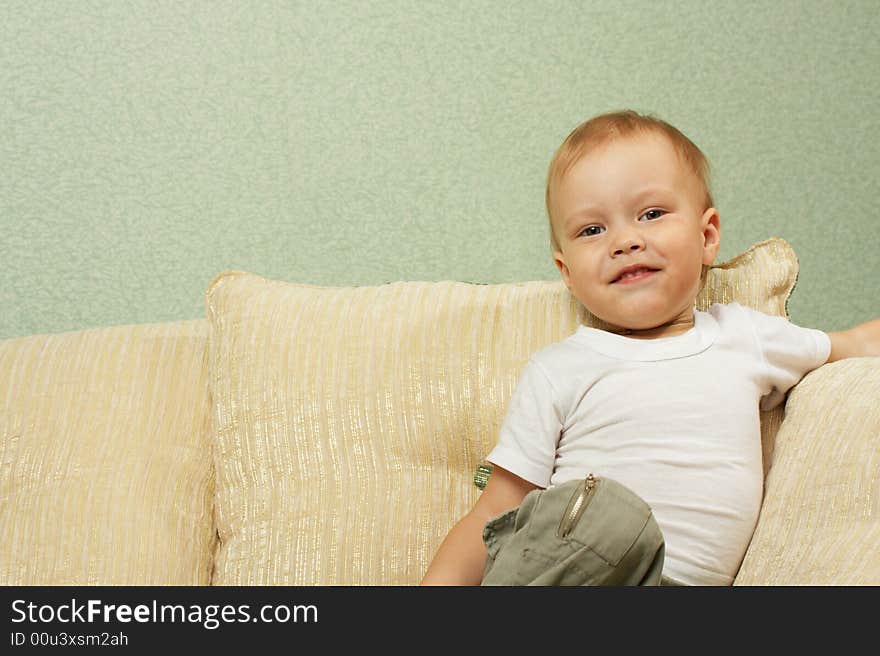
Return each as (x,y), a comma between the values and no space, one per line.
(694,341)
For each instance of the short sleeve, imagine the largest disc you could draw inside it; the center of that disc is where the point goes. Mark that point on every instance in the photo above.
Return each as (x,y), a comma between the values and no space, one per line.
(530,431)
(789,352)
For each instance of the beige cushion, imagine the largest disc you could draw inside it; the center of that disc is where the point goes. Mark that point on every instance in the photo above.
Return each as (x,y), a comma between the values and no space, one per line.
(820,522)
(105,469)
(349,420)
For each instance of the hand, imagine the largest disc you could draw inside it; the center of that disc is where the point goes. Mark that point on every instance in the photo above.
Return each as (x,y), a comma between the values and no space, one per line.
(860,341)
(867,338)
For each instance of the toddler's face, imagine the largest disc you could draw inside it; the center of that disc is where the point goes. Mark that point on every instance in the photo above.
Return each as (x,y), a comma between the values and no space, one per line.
(634,202)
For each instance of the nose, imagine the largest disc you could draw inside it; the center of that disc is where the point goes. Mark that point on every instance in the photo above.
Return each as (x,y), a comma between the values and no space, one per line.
(627,243)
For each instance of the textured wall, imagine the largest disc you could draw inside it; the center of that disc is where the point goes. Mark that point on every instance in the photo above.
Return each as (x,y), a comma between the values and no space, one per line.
(148,146)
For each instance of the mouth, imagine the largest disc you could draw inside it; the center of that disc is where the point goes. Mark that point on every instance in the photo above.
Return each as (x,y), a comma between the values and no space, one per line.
(634,274)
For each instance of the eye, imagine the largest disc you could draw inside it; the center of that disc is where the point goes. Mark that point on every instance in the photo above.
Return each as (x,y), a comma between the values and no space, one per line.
(591,230)
(653,213)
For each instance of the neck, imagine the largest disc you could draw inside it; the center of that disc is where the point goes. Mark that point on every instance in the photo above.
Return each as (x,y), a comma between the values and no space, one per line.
(644,331)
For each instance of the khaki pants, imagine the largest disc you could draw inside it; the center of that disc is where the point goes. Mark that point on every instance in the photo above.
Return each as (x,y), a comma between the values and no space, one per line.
(588,532)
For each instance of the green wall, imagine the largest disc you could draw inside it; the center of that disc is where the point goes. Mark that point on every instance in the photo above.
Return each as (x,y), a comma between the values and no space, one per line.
(146,146)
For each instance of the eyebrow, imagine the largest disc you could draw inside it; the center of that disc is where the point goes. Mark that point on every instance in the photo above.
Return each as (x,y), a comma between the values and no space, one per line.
(587,209)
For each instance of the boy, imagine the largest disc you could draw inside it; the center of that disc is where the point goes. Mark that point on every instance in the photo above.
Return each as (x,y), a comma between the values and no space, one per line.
(665,399)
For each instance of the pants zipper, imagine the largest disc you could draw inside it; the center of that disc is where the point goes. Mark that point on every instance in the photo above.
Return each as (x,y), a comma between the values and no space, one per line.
(576,505)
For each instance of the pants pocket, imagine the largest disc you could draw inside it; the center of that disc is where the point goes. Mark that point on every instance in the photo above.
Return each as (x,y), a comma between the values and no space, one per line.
(608,538)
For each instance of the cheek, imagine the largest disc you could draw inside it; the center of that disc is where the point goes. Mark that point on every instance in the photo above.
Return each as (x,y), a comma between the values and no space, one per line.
(588,273)
(685,246)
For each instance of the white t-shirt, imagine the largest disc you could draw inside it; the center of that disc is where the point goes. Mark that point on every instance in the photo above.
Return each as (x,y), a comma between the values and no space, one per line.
(675,419)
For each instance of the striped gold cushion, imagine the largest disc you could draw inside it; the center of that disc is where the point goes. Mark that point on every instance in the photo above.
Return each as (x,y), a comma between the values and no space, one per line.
(820,522)
(349,420)
(105,468)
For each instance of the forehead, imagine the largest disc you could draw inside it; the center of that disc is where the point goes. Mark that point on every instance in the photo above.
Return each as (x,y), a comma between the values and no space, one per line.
(642,155)
(612,171)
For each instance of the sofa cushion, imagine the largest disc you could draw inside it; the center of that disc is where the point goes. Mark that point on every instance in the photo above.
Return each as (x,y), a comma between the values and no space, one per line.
(349,420)
(105,469)
(820,522)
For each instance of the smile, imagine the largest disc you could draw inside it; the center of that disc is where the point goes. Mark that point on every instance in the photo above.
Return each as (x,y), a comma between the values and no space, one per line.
(637,276)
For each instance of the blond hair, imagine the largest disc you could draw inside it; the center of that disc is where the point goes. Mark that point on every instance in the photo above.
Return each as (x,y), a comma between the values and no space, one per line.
(614,125)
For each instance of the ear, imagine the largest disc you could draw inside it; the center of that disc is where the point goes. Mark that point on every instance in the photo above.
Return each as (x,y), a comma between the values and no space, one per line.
(710,223)
(559,261)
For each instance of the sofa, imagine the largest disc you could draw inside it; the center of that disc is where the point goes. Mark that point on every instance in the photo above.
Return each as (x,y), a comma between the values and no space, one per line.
(308,435)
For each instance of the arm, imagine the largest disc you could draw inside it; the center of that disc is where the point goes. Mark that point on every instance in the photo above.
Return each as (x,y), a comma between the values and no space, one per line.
(859,341)
(462,555)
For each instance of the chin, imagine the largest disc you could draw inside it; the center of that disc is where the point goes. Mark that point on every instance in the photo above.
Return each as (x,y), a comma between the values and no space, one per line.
(640,320)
